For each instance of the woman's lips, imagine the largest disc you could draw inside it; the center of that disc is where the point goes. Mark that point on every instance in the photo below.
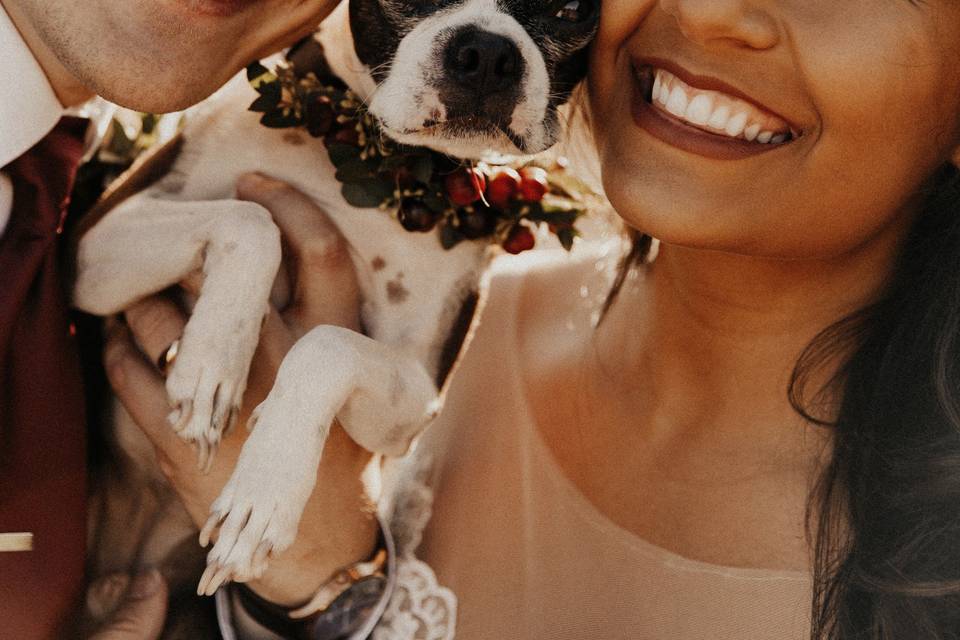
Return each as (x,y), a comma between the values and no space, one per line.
(709,122)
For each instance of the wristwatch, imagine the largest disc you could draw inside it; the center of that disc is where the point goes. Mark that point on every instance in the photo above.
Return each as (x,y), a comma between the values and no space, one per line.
(349,602)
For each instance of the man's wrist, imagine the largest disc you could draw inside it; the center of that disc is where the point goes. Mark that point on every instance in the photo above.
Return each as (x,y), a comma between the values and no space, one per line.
(294,576)
(338,527)
(356,607)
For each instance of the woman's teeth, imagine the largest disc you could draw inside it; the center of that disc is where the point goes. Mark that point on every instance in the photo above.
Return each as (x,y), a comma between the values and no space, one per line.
(716,112)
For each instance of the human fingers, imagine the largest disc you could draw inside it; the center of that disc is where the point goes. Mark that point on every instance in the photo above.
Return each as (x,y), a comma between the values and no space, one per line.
(155,323)
(141,612)
(325,287)
(276,339)
(140,388)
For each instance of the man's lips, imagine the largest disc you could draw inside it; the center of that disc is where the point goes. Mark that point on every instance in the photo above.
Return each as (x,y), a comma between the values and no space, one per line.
(708,118)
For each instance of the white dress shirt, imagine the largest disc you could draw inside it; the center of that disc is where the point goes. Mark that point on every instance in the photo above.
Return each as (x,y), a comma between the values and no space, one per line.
(27,113)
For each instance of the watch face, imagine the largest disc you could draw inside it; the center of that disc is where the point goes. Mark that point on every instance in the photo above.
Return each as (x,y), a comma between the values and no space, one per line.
(350,609)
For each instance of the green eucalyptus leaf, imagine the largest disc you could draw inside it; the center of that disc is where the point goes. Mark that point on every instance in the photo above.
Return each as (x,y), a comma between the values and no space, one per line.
(561,217)
(120,143)
(359,197)
(265,103)
(150,122)
(341,154)
(382,188)
(272,91)
(532,211)
(259,75)
(450,236)
(356,170)
(422,168)
(569,184)
(553,203)
(392,163)
(366,194)
(256,69)
(279,120)
(435,202)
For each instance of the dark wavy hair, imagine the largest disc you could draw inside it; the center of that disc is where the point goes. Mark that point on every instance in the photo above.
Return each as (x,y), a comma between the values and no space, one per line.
(884,518)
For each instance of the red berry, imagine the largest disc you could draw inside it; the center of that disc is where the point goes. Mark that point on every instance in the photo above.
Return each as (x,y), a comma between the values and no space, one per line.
(533,184)
(503,188)
(348,136)
(520,239)
(465,186)
(477,221)
(415,216)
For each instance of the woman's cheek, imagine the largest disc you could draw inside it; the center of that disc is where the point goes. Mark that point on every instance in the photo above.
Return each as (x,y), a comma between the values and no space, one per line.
(619,19)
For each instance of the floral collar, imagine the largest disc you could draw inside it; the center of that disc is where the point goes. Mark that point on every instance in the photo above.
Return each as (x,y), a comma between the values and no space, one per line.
(424,189)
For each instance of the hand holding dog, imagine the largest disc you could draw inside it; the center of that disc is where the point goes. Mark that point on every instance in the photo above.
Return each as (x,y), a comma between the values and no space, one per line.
(338,527)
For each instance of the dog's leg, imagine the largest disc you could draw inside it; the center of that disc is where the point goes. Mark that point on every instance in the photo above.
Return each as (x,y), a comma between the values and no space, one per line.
(383,398)
(146,245)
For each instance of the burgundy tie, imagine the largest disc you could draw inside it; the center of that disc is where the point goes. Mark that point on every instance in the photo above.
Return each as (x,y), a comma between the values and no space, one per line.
(42,415)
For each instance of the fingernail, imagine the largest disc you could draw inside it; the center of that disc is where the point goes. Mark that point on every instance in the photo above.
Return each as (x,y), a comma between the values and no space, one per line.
(145,585)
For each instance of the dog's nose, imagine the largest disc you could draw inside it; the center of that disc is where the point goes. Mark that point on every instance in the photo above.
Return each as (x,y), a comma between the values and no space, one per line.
(484,62)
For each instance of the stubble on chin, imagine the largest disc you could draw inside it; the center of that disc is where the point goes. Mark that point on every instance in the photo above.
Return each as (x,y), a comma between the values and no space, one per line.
(128,51)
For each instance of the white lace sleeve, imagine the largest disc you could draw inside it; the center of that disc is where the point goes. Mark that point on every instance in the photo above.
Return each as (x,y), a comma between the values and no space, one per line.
(419,609)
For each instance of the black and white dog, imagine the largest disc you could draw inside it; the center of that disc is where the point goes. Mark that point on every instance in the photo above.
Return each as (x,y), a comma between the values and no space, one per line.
(460,76)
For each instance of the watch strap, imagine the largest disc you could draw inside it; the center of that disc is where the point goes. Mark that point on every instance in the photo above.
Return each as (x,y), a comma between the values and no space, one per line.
(353,615)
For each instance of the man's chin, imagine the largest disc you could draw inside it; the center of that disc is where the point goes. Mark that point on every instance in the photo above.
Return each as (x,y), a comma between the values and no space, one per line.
(161,95)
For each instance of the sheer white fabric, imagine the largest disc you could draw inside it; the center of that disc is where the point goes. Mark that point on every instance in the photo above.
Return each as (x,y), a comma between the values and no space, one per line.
(506,545)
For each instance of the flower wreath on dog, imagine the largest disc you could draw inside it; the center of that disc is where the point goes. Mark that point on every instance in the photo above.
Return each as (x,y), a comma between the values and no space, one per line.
(425,189)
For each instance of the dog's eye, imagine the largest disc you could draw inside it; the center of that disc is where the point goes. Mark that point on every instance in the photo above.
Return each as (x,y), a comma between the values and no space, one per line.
(573,10)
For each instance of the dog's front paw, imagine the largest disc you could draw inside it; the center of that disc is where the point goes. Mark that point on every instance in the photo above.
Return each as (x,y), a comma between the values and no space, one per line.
(259,510)
(207,382)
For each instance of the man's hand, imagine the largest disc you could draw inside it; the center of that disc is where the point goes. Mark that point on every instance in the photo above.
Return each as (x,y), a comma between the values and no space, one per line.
(139,606)
(338,525)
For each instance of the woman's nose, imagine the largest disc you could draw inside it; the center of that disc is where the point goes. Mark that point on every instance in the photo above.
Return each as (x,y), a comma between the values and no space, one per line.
(742,23)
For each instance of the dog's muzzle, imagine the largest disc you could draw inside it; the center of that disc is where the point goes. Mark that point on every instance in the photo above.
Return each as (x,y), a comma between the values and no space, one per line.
(482,78)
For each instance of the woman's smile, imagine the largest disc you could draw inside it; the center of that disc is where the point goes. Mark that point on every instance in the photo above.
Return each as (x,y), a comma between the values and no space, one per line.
(780,129)
(703,115)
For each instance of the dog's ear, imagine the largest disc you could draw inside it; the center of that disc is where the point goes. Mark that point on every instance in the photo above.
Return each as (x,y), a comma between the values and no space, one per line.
(380,38)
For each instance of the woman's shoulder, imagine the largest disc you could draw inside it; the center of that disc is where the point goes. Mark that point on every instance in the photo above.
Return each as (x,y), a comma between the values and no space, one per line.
(548,294)
(550,284)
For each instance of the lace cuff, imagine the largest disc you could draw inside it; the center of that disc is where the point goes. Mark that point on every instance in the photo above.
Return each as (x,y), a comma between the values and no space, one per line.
(419,608)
